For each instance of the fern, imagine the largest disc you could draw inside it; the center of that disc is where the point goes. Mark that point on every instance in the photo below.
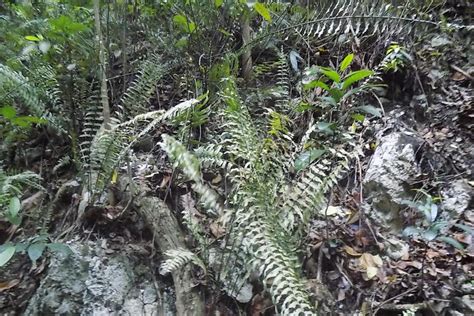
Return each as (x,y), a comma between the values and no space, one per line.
(135,100)
(110,145)
(177,258)
(13,185)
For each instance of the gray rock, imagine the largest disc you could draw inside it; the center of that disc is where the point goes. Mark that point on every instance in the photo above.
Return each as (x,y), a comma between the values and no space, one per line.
(457,198)
(387,180)
(90,282)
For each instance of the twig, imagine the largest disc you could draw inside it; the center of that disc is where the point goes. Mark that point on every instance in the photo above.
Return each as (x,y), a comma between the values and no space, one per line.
(379,306)
(463,72)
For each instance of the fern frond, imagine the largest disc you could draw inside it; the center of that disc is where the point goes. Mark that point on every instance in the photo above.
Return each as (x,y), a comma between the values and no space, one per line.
(12,185)
(135,100)
(190,166)
(305,197)
(110,145)
(14,86)
(177,258)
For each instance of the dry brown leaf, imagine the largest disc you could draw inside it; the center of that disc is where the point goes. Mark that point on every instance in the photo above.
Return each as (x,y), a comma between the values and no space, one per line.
(370,264)
(8,284)
(351,251)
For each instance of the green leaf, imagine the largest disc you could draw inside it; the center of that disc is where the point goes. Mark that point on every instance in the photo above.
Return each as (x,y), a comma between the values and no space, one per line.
(6,254)
(355,76)
(337,94)
(14,206)
(36,250)
(263,11)
(182,21)
(33,119)
(410,231)
(32,38)
(369,109)
(466,228)
(331,74)
(453,242)
(218,3)
(59,247)
(66,25)
(8,112)
(316,83)
(307,157)
(358,117)
(326,127)
(346,62)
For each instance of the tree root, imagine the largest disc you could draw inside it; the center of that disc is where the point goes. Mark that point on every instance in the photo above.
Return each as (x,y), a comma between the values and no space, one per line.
(168,235)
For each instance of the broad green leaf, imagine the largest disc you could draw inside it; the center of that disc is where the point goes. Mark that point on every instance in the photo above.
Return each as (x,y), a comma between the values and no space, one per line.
(410,231)
(337,94)
(453,242)
(6,254)
(369,109)
(355,76)
(331,74)
(316,83)
(33,119)
(431,233)
(14,206)
(218,3)
(263,11)
(14,219)
(346,62)
(466,228)
(182,21)
(67,25)
(307,157)
(358,117)
(32,38)
(329,100)
(8,112)
(35,251)
(326,127)
(59,247)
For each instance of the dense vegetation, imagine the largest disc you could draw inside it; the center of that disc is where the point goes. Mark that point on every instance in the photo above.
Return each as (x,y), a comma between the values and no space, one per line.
(258,118)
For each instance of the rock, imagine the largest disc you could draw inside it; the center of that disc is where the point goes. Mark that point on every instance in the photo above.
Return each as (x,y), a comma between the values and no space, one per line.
(232,279)
(90,282)
(396,249)
(387,180)
(457,198)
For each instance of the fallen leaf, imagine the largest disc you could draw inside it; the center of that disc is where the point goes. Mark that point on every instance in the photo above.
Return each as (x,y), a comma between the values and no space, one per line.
(351,251)
(332,210)
(8,284)
(370,264)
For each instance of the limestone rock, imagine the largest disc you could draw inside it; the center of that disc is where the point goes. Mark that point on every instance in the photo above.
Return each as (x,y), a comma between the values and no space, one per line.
(457,197)
(90,282)
(387,180)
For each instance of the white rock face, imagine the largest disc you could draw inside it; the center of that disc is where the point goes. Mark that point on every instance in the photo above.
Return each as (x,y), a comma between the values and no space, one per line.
(91,282)
(388,177)
(457,198)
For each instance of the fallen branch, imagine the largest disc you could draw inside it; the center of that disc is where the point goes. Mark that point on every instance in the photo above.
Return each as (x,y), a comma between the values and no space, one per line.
(168,235)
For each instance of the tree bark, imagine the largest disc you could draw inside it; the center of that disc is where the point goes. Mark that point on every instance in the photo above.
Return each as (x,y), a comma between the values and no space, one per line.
(168,235)
(104,98)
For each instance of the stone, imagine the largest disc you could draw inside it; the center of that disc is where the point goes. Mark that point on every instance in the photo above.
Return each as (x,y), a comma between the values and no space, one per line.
(388,177)
(90,282)
(457,198)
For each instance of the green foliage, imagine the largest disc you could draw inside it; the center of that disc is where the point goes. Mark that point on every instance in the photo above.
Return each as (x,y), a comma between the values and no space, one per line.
(264,219)
(333,82)
(35,248)
(11,189)
(432,228)
(177,258)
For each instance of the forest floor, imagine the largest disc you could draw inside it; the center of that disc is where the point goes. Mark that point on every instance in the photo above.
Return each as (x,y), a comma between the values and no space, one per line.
(341,251)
